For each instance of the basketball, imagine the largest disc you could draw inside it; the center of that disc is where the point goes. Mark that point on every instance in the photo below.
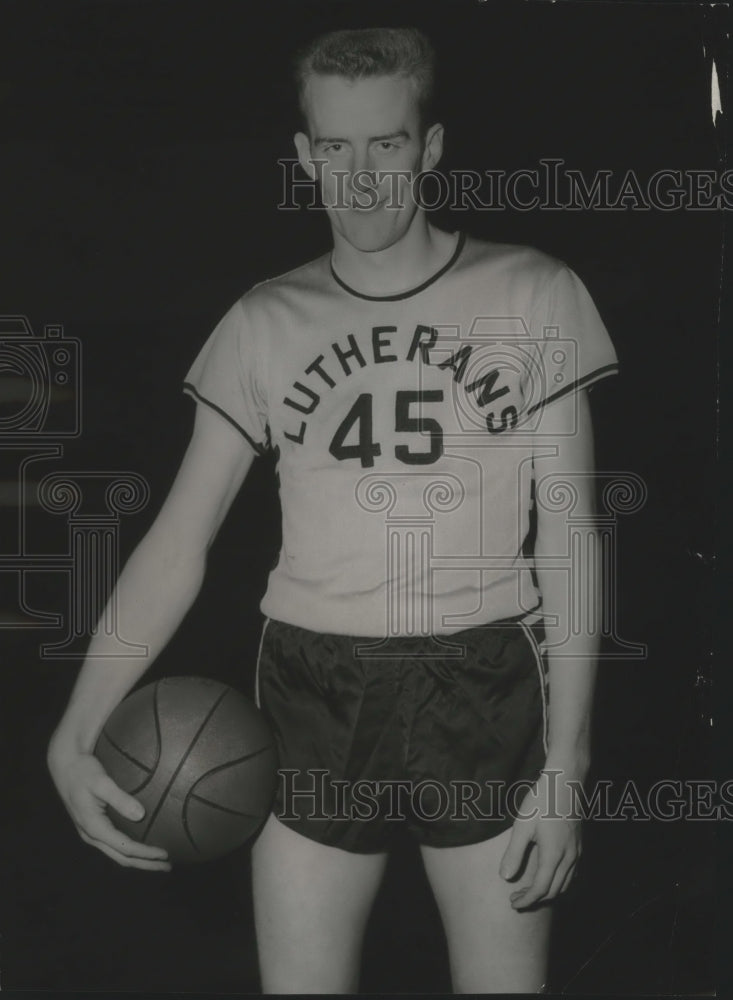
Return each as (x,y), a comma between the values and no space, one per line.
(200,758)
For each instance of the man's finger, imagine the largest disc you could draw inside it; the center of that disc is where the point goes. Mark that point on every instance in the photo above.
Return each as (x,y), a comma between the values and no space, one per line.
(513,855)
(120,801)
(128,862)
(539,885)
(564,869)
(101,830)
(568,879)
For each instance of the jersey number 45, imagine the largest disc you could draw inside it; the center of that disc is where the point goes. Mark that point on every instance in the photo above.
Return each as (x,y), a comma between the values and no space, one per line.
(358,422)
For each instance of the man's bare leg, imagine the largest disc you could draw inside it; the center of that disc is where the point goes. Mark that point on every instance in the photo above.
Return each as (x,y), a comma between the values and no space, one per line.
(311,907)
(493,948)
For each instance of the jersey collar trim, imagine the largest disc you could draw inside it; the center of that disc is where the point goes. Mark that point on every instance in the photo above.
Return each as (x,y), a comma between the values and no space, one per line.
(412,291)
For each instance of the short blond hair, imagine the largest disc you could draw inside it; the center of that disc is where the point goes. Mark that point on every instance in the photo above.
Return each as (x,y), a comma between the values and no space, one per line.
(364,52)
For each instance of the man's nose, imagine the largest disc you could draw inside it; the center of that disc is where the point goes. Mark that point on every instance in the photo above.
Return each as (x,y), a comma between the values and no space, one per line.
(363,166)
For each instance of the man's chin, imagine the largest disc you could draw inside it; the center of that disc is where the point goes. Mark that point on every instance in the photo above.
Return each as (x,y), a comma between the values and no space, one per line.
(373,247)
(371,242)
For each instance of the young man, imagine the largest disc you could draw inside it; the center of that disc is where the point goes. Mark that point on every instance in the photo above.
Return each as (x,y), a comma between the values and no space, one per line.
(414,385)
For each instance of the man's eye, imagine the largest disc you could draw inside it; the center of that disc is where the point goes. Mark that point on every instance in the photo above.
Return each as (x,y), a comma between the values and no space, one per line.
(335,147)
(386,146)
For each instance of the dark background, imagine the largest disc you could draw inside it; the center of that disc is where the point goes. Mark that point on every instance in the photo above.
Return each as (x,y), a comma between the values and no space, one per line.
(140,142)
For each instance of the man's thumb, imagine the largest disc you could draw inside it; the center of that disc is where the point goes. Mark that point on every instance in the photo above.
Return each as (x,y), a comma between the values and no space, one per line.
(514,853)
(123,803)
(133,810)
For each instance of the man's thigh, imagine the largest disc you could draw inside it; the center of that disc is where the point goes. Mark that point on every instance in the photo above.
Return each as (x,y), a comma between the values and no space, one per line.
(493,948)
(311,906)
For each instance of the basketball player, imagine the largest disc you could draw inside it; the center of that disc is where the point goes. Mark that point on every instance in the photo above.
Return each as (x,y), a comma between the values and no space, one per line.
(416,386)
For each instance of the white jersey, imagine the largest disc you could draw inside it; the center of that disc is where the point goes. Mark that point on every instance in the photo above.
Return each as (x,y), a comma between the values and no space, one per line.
(403,428)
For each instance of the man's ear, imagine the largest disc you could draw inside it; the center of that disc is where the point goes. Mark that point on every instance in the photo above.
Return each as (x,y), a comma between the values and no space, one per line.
(433,149)
(303,148)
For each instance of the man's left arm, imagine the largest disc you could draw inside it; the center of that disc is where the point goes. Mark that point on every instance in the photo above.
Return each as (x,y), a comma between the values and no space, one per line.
(564,458)
(564,453)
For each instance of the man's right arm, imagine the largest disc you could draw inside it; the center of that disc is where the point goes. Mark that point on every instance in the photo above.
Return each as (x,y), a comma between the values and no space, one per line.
(157,586)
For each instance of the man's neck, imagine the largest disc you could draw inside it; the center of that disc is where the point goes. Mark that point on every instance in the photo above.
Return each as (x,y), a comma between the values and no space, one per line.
(421,252)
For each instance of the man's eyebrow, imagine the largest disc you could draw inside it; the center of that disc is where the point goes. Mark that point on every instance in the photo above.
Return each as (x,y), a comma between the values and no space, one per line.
(321,140)
(399,134)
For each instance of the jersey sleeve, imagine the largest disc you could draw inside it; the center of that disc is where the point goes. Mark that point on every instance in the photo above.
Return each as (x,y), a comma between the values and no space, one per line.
(571,348)
(226,377)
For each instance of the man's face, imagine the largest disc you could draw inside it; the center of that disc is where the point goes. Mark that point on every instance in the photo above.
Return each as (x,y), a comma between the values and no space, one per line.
(366,131)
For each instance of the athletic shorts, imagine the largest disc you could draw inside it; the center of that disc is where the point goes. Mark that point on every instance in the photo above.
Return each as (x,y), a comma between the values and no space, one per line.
(442,735)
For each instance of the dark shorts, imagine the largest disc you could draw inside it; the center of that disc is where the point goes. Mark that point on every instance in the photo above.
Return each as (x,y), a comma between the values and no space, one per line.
(443,735)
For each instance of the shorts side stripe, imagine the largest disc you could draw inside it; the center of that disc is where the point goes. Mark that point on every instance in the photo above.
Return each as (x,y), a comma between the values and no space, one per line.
(541,671)
(257,665)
